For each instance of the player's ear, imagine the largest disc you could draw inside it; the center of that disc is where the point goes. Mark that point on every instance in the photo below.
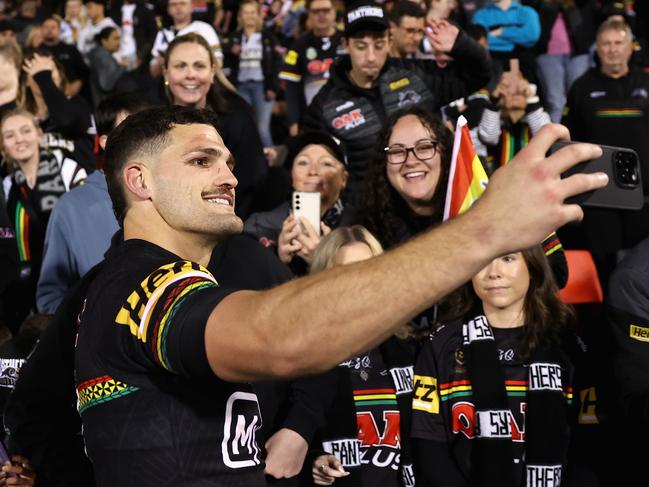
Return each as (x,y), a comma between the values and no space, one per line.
(136,180)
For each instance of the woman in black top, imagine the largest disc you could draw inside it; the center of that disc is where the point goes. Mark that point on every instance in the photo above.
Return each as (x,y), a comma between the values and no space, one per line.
(192,79)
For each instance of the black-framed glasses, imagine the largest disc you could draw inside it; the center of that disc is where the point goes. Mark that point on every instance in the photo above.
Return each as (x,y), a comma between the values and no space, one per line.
(422,150)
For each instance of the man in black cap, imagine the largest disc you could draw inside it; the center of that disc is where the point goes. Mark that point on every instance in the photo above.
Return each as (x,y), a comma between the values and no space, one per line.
(7,30)
(365,87)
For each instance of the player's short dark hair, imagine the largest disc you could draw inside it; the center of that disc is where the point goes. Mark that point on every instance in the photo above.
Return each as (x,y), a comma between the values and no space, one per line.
(108,109)
(406,8)
(144,134)
(374,34)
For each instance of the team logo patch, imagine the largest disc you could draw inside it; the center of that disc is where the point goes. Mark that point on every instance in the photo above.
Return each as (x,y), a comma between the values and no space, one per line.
(400,83)
(311,53)
(364,11)
(242,420)
(639,333)
(345,106)
(425,396)
(349,120)
(291,58)
(319,66)
(408,97)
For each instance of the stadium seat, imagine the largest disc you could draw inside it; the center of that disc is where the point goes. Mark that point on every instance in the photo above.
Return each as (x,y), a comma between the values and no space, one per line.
(583,283)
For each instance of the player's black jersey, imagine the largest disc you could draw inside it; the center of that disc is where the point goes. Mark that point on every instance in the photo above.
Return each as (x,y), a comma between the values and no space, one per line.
(153,412)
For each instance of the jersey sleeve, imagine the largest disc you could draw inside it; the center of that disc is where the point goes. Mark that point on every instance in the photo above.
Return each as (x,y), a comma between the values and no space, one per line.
(168,315)
(427,419)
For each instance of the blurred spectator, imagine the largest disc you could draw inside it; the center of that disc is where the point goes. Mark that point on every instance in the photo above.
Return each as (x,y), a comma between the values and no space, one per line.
(107,75)
(610,105)
(254,65)
(98,21)
(7,30)
(512,118)
(66,121)
(30,14)
(11,60)
(628,314)
(470,7)
(317,165)
(193,79)
(567,33)
(307,63)
(138,29)
(82,223)
(407,29)
(513,30)
(76,71)
(75,19)
(181,15)
(38,180)
(33,38)
(366,87)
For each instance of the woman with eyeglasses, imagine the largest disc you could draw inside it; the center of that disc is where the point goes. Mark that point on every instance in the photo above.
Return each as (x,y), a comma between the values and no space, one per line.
(406,181)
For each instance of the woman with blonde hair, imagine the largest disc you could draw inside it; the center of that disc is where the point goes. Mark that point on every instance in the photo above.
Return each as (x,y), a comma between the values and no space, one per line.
(254,63)
(370,394)
(37,181)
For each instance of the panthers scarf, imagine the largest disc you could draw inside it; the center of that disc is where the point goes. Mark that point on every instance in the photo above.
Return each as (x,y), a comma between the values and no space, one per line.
(546,424)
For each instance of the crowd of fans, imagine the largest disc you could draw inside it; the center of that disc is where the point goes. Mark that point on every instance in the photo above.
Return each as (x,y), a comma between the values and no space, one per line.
(358,102)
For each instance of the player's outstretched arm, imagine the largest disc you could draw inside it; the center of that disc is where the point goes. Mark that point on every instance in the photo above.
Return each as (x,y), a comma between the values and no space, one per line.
(312,324)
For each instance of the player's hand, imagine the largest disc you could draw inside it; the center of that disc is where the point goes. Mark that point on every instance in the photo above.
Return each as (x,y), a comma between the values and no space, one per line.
(286,451)
(287,243)
(524,201)
(326,469)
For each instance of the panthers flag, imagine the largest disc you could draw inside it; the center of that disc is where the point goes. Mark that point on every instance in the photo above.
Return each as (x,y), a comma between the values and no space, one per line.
(467,179)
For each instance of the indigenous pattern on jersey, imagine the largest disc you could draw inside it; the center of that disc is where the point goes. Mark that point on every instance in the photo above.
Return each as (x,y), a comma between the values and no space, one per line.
(309,62)
(153,412)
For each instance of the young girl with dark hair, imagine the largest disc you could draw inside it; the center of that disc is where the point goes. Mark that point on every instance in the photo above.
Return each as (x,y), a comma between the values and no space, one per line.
(493,385)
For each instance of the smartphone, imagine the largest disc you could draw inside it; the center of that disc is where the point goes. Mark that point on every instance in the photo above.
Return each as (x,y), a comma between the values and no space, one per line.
(307,204)
(624,188)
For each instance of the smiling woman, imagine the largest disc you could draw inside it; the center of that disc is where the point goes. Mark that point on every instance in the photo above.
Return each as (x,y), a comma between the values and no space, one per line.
(38,179)
(193,79)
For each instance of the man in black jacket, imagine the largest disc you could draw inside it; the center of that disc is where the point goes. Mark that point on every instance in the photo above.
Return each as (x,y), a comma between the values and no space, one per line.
(366,87)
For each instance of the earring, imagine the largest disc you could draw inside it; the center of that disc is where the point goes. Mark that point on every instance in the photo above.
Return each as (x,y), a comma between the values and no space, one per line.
(167,83)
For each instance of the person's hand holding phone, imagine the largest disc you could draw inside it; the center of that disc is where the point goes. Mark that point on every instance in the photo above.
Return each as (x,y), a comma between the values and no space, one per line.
(287,244)
(309,238)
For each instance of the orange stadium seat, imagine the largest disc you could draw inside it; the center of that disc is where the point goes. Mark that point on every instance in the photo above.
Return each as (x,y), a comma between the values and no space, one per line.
(583,282)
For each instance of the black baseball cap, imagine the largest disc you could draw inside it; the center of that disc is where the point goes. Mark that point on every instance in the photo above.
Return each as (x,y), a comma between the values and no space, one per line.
(365,15)
(315,138)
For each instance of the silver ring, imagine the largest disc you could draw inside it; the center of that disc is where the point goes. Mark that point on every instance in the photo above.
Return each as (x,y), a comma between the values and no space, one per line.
(322,467)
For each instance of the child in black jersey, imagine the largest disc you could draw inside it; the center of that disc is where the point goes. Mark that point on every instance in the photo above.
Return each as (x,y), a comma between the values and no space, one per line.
(492,392)
(363,441)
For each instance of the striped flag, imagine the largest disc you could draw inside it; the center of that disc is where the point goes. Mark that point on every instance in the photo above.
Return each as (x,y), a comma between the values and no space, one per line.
(467,179)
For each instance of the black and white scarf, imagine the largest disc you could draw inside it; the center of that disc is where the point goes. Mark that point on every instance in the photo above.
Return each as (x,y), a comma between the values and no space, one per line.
(546,422)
